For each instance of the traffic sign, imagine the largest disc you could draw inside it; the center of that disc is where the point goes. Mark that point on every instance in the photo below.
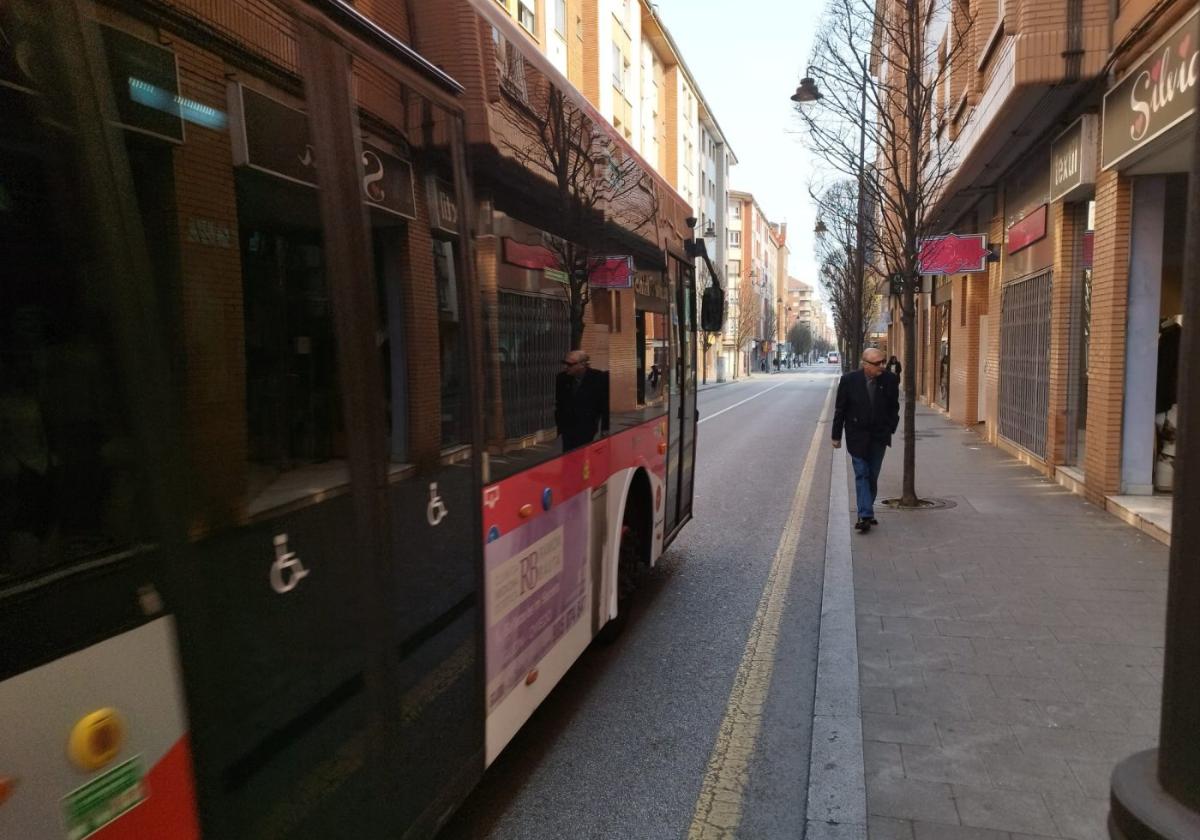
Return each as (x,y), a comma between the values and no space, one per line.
(954,254)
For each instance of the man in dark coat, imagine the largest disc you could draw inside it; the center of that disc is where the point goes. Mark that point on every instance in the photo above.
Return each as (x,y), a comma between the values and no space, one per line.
(868,408)
(580,401)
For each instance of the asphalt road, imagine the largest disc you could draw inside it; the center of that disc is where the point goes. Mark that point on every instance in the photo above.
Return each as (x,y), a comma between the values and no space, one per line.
(621,747)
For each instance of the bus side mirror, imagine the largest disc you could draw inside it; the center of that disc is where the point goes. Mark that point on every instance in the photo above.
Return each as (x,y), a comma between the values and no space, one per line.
(712,309)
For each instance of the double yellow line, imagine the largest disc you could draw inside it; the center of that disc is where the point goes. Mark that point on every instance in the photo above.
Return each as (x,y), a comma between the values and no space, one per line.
(719,808)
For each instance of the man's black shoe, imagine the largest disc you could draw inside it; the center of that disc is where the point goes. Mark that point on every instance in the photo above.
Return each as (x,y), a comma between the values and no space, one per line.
(862,525)
(873,521)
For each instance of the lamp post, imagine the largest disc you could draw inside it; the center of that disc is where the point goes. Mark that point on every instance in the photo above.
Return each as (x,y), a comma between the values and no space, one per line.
(808,92)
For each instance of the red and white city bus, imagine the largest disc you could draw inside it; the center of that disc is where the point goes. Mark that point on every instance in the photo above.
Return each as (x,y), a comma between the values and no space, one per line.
(289,546)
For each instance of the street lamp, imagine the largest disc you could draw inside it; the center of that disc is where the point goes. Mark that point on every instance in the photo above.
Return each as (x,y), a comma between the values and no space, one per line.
(808,92)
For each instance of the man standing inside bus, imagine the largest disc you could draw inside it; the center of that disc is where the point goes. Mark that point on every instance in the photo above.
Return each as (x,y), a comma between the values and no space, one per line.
(868,408)
(580,401)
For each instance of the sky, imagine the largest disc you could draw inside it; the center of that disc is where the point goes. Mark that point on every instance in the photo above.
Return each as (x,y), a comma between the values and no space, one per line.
(747,58)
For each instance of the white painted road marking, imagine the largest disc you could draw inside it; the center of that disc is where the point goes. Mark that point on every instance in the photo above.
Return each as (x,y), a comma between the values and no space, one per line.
(736,404)
(719,807)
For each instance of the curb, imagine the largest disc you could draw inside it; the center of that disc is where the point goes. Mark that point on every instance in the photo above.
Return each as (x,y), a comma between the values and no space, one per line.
(837,792)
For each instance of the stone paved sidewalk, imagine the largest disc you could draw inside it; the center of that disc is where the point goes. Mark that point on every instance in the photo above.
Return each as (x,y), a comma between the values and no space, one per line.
(1010,650)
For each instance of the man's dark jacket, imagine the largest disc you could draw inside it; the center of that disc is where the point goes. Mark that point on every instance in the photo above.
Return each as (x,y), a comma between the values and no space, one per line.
(580,411)
(863,421)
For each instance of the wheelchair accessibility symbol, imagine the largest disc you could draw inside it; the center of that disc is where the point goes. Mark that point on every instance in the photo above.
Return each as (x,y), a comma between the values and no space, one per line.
(436,511)
(287,571)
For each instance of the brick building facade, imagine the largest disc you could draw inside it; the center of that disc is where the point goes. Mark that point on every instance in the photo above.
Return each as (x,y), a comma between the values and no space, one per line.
(1072,128)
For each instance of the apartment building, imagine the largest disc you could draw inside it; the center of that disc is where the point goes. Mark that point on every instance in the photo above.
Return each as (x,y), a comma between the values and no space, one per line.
(756,266)
(798,305)
(1072,125)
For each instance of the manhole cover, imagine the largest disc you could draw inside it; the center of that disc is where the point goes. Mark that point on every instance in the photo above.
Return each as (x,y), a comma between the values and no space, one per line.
(923,504)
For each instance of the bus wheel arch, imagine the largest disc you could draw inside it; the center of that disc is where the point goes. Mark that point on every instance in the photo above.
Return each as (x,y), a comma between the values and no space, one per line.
(633,550)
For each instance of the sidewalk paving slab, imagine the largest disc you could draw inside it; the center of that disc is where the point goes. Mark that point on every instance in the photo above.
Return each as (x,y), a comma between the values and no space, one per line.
(1010,649)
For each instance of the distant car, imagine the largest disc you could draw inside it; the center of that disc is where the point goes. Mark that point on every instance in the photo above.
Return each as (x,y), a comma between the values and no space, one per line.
(832,358)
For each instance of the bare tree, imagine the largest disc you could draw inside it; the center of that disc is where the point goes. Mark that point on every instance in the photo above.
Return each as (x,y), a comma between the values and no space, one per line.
(886,70)
(852,304)
(748,317)
(596,183)
(770,324)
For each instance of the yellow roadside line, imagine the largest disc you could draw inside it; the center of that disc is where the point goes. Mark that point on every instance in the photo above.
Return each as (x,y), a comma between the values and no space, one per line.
(719,807)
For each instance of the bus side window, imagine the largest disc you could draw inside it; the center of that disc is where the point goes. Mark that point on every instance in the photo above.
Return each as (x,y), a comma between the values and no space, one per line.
(69,489)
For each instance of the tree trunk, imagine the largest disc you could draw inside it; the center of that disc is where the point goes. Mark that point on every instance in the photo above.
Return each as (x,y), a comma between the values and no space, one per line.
(908,494)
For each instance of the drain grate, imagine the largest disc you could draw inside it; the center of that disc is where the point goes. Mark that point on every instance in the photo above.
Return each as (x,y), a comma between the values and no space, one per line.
(923,504)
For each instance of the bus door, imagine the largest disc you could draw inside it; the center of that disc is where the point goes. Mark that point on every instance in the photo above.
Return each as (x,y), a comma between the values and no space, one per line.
(332,640)
(687,409)
(681,451)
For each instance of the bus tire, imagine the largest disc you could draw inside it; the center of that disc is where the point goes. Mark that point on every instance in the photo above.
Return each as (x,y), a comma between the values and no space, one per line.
(629,562)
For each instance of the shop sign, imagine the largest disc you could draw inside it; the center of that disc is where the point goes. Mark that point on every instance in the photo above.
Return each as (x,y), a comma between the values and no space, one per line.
(388,182)
(556,276)
(611,273)
(1027,231)
(1073,160)
(143,78)
(1089,249)
(954,254)
(137,68)
(536,257)
(443,209)
(651,285)
(208,232)
(1158,94)
(272,137)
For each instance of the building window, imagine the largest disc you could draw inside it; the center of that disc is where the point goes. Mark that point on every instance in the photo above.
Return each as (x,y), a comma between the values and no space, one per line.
(735,239)
(618,69)
(735,210)
(526,16)
(560,18)
(510,66)
(735,268)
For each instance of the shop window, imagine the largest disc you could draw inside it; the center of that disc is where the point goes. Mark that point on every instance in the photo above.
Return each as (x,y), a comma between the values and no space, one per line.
(295,433)
(653,357)
(533,341)
(452,345)
(390,278)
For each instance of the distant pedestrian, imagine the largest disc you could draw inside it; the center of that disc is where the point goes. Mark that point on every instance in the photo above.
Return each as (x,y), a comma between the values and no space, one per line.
(581,401)
(868,408)
(894,367)
(654,378)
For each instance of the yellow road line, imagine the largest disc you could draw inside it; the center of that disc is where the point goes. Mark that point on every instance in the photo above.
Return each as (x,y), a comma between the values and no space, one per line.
(719,808)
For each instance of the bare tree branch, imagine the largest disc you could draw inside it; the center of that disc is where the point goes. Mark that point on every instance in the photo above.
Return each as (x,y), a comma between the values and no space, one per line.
(597,184)
(886,69)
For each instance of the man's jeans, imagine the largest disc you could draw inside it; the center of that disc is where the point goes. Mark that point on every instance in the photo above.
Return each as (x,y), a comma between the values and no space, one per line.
(866,479)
